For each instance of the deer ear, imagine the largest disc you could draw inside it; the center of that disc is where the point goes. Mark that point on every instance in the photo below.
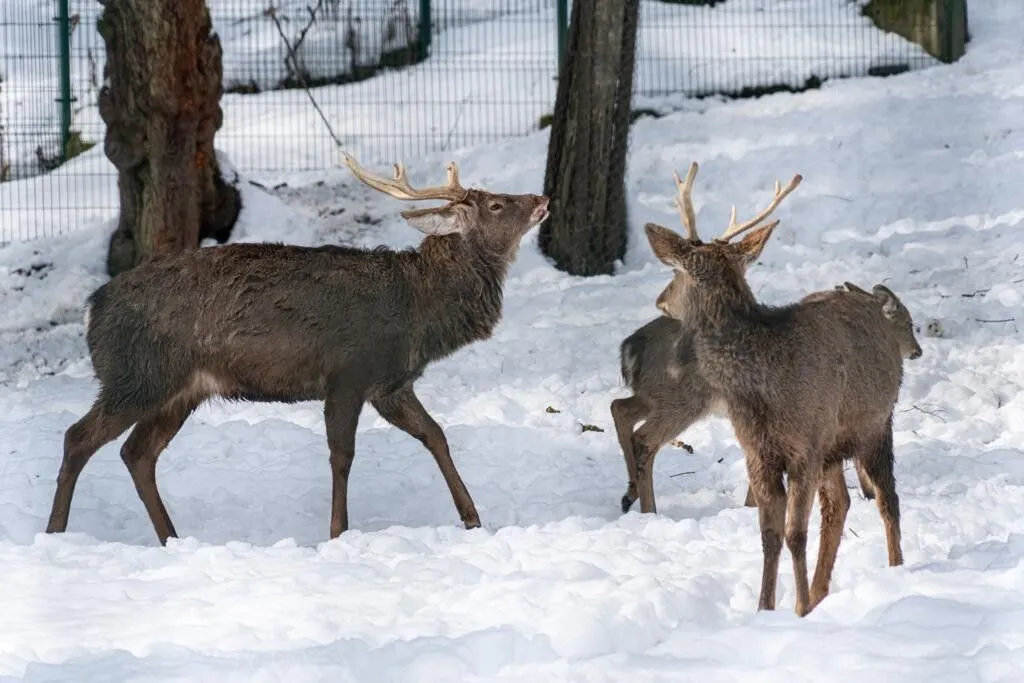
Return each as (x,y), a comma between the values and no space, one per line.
(667,245)
(440,221)
(751,246)
(887,298)
(850,287)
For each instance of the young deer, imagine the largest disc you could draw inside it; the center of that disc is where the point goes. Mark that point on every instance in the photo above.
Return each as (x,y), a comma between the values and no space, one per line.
(805,386)
(274,322)
(659,366)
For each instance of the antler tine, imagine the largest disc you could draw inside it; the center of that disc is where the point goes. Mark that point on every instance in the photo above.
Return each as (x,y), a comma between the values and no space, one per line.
(780,194)
(684,203)
(399,186)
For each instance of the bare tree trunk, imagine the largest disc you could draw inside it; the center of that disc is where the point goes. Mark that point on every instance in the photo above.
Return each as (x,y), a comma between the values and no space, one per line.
(586,164)
(161,103)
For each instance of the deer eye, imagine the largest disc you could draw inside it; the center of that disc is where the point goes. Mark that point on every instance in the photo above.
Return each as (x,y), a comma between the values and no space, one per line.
(496,206)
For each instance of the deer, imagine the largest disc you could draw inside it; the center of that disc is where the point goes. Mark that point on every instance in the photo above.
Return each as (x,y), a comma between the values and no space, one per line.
(900,323)
(658,365)
(271,322)
(805,385)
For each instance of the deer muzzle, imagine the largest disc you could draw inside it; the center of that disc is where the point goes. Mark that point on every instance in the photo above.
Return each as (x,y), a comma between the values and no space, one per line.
(540,211)
(662,303)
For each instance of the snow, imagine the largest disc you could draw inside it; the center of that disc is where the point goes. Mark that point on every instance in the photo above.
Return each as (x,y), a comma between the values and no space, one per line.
(912,180)
(491,74)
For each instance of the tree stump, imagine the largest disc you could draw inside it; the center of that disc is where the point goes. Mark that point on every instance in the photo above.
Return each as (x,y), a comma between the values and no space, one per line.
(586,164)
(161,104)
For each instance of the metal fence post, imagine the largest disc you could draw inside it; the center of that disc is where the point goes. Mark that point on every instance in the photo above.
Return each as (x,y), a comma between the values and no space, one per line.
(64,41)
(954,34)
(563,29)
(424,36)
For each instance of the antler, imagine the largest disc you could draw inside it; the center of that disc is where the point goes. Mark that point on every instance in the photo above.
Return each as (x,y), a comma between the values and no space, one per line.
(399,187)
(685,204)
(780,194)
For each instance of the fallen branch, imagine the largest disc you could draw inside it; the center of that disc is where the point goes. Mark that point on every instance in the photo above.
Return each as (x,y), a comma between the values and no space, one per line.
(919,409)
(1001,320)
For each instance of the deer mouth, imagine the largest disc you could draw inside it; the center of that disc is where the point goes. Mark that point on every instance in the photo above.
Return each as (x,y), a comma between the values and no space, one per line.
(540,212)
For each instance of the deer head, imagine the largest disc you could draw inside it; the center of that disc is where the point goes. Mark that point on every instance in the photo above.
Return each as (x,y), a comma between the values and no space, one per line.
(496,222)
(720,262)
(896,313)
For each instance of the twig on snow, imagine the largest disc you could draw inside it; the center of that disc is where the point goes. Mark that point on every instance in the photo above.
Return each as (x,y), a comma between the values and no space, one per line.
(919,409)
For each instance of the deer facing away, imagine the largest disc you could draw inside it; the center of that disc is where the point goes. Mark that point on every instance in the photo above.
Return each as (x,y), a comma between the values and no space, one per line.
(659,366)
(805,386)
(274,322)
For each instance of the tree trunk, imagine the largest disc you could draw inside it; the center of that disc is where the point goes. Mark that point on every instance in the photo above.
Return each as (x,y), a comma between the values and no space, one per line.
(586,166)
(939,26)
(161,104)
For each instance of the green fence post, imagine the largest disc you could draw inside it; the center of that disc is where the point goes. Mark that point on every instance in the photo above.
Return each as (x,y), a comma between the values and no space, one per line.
(955,34)
(64,40)
(424,37)
(563,29)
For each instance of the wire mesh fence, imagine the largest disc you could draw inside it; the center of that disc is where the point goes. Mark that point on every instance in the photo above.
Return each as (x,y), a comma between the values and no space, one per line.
(398,79)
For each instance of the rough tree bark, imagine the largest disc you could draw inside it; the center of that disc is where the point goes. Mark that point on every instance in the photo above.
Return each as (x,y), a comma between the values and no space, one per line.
(161,103)
(586,163)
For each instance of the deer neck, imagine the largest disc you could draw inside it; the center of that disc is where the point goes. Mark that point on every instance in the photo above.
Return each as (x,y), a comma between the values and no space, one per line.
(458,296)
(727,325)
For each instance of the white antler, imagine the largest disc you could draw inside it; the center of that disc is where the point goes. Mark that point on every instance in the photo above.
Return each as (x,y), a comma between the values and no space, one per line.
(780,194)
(399,187)
(685,204)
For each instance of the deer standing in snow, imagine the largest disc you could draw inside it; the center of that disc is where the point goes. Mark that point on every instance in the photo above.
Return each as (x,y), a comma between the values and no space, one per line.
(276,322)
(805,386)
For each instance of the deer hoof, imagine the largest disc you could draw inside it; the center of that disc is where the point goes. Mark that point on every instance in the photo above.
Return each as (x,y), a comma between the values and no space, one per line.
(802,609)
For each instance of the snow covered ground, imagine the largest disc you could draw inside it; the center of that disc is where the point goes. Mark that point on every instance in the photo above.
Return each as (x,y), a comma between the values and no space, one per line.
(914,181)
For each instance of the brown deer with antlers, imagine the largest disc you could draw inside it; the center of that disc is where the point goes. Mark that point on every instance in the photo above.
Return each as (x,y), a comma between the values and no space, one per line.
(274,322)
(805,386)
(659,365)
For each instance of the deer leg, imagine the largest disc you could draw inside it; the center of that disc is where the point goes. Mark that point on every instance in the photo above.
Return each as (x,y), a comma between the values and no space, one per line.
(97,428)
(657,431)
(140,453)
(802,485)
(341,417)
(404,410)
(866,487)
(626,412)
(766,482)
(834,500)
(749,501)
(878,467)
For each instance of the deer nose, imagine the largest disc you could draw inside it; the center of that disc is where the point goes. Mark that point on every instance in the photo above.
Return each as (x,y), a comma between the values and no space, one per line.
(916,353)
(660,303)
(540,210)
